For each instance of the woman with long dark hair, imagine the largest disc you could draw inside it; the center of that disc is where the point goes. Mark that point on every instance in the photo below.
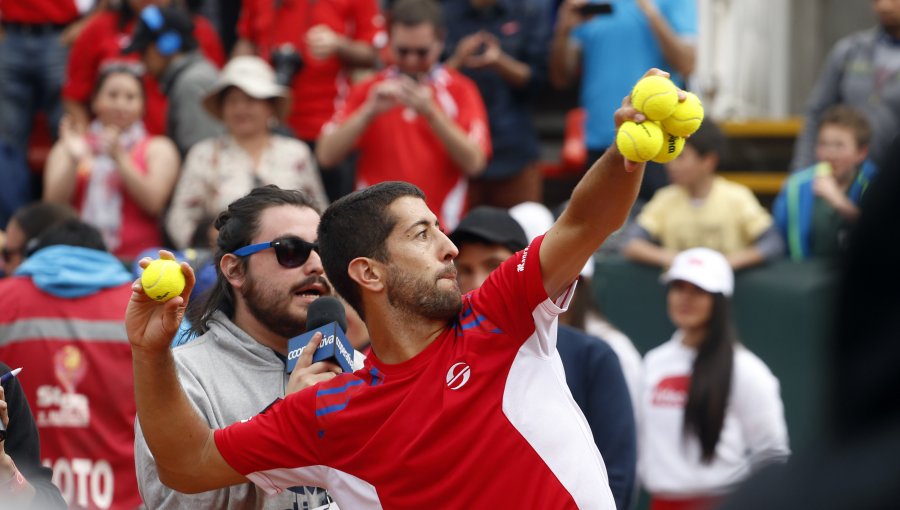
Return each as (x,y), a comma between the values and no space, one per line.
(710,410)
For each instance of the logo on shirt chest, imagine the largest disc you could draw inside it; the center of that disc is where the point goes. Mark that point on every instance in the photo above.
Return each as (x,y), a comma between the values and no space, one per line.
(458,375)
(672,391)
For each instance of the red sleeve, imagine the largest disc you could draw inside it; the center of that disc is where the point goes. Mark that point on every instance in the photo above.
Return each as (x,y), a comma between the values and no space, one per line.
(369,23)
(257,18)
(472,116)
(512,292)
(209,41)
(355,98)
(84,61)
(282,436)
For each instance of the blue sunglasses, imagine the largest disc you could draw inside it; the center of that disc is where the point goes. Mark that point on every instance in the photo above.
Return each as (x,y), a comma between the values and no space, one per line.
(290,251)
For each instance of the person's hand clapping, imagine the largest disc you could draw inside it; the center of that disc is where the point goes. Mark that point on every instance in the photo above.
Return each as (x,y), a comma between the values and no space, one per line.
(151,324)
(306,373)
(110,142)
(72,138)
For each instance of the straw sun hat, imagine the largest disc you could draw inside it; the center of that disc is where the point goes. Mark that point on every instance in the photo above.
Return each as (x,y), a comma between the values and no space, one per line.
(254,77)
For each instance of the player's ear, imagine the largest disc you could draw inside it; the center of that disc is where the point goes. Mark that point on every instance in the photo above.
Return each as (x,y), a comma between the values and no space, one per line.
(369,274)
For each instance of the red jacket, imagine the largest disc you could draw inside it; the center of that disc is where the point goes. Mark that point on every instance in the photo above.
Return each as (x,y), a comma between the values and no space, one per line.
(77,376)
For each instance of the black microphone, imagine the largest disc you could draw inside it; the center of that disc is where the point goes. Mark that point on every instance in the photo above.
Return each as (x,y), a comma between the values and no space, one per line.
(325,315)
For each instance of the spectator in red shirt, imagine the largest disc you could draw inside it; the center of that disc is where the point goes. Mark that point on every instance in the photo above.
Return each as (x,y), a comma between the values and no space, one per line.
(103,40)
(415,121)
(314,46)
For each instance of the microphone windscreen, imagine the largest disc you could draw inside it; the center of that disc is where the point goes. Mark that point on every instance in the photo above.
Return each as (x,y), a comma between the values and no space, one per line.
(325,310)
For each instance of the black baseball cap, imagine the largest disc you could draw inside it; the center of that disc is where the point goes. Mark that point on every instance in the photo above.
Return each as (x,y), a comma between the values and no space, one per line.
(170,28)
(491,225)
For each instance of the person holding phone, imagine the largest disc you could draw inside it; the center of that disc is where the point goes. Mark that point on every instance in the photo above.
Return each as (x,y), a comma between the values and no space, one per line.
(502,46)
(610,45)
(415,121)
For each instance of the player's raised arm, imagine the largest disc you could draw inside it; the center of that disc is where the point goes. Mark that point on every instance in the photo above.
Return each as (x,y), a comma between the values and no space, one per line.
(599,206)
(181,443)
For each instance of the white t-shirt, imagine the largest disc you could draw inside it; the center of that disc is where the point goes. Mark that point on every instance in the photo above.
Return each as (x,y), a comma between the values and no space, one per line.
(754,430)
(629,357)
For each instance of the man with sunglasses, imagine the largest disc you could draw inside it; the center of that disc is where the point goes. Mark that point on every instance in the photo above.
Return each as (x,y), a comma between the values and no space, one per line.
(415,121)
(462,402)
(268,272)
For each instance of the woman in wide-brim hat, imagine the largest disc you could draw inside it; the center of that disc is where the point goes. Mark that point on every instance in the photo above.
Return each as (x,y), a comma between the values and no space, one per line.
(219,170)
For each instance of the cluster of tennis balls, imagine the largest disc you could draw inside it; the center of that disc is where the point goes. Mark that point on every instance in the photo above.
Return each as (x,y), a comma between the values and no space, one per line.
(660,138)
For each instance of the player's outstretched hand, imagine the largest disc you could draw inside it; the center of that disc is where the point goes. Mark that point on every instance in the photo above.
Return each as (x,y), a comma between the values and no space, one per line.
(151,324)
(627,111)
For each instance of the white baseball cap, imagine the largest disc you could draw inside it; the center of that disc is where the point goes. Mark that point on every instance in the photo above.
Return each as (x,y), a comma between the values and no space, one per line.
(255,77)
(705,268)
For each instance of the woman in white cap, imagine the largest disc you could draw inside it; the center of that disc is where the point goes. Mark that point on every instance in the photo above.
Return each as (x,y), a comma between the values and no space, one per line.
(219,170)
(710,410)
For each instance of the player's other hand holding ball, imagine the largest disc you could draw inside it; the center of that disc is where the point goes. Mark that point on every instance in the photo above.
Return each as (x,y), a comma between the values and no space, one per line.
(151,324)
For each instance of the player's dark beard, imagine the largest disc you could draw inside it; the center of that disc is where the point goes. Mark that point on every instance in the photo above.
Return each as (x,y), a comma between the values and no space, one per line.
(272,308)
(421,296)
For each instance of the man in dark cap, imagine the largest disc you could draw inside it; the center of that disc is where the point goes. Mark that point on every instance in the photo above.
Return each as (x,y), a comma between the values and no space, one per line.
(486,237)
(165,39)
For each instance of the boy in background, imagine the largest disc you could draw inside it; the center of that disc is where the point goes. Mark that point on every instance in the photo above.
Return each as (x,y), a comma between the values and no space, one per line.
(700,208)
(817,205)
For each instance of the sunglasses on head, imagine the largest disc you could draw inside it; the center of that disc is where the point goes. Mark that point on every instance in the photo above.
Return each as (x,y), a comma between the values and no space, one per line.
(403,51)
(290,251)
(153,17)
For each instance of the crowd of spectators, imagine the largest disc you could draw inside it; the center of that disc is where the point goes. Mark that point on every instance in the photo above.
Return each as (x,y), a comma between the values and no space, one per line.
(166,135)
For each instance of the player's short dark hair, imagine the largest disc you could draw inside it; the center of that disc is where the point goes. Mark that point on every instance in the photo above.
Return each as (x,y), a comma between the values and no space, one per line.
(237,227)
(358,225)
(850,118)
(709,139)
(71,232)
(410,13)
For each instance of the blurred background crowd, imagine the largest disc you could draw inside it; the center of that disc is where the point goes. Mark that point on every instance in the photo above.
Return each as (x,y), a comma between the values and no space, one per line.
(127,126)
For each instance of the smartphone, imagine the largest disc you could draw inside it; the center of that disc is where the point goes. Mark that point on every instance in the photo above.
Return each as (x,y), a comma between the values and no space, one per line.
(595,8)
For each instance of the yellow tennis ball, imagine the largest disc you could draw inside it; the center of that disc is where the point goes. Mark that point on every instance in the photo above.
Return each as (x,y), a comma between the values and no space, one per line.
(639,142)
(162,279)
(655,96)
(671,148)
(686,118)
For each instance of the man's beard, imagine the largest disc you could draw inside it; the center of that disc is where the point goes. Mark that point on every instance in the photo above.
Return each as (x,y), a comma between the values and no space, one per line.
(272,308)
(422,297)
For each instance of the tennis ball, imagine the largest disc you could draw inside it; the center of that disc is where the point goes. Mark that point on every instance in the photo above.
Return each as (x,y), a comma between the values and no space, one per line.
(655,96)
(823,168)
(671,148)
(162,279)
(686,118)
(639,142)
